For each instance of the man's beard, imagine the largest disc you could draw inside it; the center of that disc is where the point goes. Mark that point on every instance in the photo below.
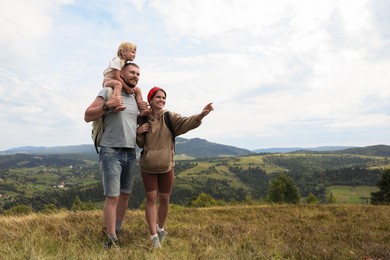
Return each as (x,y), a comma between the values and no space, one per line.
(129,83)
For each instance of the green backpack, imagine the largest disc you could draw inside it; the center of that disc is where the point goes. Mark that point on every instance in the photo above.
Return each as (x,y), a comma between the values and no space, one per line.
(98,126)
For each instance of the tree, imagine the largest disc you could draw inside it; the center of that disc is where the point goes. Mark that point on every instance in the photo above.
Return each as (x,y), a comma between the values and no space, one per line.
(383,195)
(330,198)
(311,199)
(282,189)
(77,204)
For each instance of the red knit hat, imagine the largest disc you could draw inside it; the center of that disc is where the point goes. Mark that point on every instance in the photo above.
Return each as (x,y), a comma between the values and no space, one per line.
(153,91)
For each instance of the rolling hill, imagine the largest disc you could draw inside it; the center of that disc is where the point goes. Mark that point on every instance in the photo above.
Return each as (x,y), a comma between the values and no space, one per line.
(294,149)
(373,150)
(197,148)
(230,178)
(187,148)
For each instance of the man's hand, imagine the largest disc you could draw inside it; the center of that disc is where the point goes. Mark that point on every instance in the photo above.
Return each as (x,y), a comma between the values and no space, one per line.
(116,102)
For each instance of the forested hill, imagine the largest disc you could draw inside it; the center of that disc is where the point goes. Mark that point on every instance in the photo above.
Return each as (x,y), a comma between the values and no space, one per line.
(187,148)
(373,150)
(37,176)
(200,148)
(197,148)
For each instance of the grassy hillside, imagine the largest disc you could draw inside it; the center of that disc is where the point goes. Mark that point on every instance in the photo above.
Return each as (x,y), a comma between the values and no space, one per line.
(220,169)
(352,194)
(230,232)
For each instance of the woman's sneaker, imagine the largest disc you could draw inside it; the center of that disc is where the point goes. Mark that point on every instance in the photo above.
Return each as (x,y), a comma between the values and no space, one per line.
(162,235)
(111,243)
(156,242)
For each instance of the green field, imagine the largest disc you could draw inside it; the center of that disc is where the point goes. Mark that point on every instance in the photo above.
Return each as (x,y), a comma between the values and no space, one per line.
(352,194)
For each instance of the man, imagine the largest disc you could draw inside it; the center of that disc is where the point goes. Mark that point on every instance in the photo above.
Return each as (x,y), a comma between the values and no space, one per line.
(117,152)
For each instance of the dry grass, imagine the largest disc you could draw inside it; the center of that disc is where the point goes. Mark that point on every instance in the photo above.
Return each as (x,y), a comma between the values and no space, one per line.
(230,232)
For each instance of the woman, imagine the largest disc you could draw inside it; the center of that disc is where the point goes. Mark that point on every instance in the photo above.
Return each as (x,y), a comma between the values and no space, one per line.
(157,158)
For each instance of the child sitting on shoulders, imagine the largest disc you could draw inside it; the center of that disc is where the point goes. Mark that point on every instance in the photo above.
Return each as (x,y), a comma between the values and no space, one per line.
(126,53)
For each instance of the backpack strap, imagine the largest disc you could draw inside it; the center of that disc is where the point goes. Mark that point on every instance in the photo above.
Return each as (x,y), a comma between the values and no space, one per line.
(96,141)
(167,119)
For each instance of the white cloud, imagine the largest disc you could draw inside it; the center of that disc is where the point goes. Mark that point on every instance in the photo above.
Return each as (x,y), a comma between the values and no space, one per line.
(359,121)
(284,72)
(26,24)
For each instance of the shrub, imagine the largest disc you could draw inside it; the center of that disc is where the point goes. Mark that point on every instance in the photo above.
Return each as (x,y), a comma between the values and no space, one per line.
(79,205)
(49,208)
(203,200)
(311,199)
(19,210)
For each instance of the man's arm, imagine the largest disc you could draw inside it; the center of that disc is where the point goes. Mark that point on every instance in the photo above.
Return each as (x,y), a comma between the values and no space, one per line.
(95,110)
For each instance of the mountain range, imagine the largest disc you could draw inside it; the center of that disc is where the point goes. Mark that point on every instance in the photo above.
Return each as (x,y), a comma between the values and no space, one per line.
(294,149)
(185,148)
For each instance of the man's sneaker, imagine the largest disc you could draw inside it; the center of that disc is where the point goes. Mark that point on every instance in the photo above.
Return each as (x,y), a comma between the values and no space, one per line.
(110,243)
(162,235)
(156,242)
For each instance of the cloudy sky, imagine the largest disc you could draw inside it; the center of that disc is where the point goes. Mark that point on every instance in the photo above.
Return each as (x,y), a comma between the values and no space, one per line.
(280,73)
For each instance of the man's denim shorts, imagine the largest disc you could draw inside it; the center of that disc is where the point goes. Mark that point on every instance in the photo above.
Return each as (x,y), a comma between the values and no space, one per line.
(117,170)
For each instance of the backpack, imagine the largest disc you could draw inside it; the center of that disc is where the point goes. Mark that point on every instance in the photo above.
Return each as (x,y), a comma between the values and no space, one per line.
(98,125)
(167,119)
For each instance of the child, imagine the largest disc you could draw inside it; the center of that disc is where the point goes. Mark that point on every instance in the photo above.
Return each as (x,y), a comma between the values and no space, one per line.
(126,52)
